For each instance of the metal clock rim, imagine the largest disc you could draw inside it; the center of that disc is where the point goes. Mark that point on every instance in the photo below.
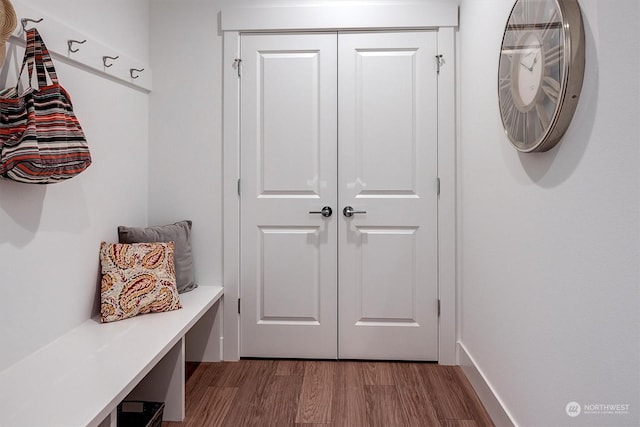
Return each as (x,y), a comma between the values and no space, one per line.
(573,67)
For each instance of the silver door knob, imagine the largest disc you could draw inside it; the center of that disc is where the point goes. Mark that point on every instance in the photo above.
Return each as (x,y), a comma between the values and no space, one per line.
(349,212)
(325,212)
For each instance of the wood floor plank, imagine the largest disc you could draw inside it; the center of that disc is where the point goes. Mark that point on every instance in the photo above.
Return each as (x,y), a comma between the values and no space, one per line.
(317,389)
(414,398)
(481,416)
(213,407)
(197,383)
(290,368)
(377,373)
(383,406)
(459,423)
(236,374)
(445,392)
(193,375)
(253,382)
(349,408)
(280,406)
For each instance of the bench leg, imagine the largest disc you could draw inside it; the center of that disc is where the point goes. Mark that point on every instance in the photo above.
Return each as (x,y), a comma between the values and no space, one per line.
(166,383)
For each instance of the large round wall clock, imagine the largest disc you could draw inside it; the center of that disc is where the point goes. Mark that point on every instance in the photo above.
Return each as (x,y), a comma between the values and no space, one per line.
(540,72)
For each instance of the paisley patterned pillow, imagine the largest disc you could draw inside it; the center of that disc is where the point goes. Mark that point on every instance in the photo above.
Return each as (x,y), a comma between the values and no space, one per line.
(137,278)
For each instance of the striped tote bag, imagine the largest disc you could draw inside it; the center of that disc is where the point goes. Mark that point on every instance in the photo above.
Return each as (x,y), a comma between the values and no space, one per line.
(41,141)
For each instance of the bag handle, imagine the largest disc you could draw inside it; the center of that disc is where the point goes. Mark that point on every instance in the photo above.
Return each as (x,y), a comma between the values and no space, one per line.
(29,58)
(36,53)
(43,61)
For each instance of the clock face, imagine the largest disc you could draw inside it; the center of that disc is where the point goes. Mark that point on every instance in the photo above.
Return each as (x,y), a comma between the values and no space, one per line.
(533,74)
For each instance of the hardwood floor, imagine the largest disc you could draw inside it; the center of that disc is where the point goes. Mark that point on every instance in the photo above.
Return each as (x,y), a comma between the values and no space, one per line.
(282,393)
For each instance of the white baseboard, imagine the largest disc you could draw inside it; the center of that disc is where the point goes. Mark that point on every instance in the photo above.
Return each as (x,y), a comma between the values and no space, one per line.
(491,401)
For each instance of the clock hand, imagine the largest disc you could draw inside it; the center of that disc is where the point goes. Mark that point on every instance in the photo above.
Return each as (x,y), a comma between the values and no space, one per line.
(528,68)
(533,64)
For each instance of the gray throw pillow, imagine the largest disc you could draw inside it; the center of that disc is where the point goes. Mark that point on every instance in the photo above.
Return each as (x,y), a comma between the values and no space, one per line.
(180,234)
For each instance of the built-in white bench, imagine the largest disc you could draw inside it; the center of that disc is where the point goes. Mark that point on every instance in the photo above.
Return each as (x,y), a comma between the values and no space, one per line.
(80,378)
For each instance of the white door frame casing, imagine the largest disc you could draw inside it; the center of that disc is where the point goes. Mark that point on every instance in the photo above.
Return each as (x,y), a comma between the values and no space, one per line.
(439,15)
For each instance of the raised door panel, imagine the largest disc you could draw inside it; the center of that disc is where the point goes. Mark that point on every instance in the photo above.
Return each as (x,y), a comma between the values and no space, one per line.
(387,256)
(385,107)
(289,276)
(289,115)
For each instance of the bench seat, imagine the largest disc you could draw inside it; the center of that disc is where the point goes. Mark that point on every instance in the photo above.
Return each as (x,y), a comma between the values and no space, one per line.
(80,378)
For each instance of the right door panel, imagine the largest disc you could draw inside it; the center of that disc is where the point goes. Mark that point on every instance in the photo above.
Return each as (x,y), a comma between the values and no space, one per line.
(387,132)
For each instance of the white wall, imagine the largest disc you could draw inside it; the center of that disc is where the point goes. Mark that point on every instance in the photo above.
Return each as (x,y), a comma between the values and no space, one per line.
(185,151)
(550,243)
(50,235)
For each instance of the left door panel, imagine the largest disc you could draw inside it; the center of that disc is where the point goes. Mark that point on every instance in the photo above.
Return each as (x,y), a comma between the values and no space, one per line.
(288,154)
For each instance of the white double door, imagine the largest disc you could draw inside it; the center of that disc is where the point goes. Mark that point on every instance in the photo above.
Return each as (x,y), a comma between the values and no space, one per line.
(336,121)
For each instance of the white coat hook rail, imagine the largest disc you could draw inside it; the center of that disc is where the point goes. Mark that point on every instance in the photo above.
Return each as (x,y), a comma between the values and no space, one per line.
(25,22)
(71,42)
(135,72)
(106,58)
(69,45)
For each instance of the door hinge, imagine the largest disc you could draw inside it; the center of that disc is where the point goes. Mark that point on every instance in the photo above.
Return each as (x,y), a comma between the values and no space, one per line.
(236,65)
(438,308)
(238,305)
(440,62)
(238,186)
(438,185)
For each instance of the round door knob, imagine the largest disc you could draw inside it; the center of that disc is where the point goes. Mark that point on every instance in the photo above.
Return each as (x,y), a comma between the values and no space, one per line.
(325,212)
(349,212)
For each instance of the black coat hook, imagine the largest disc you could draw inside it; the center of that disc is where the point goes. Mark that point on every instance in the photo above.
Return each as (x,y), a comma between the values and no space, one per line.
(27,20)
(104,60)
(133,70)
(71,42)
